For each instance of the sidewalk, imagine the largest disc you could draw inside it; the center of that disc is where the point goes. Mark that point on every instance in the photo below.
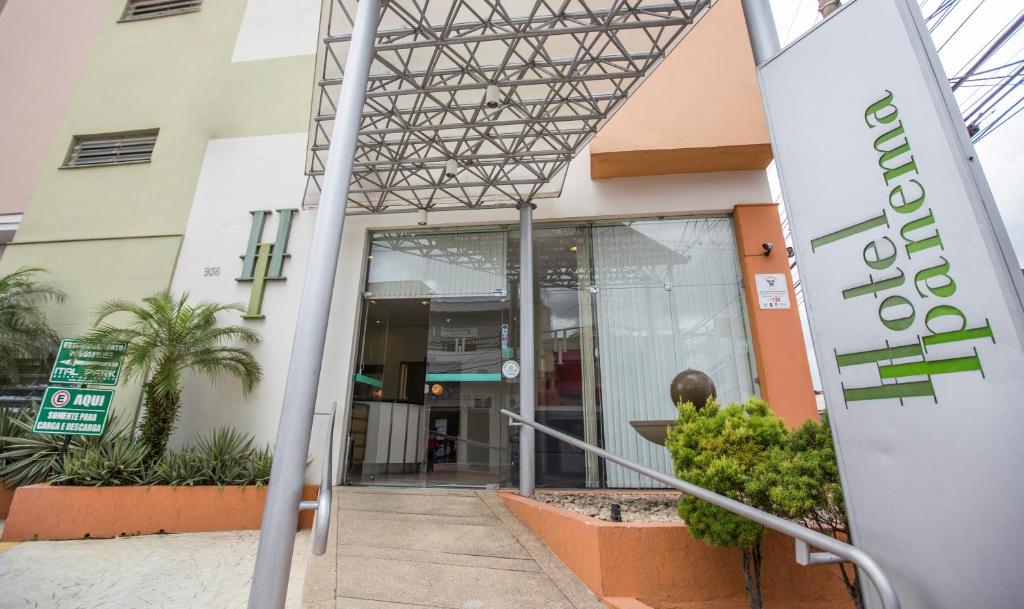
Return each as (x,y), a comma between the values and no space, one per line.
(420,548)
(183,571)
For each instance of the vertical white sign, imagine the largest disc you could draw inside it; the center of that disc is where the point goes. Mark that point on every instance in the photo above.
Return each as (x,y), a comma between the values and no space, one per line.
(914,299)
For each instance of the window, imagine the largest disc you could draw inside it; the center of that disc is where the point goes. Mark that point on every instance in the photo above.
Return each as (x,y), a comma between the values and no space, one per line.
(111,149)
(137,10)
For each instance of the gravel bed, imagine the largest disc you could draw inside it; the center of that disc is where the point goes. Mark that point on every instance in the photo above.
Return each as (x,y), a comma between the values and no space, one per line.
(653,506)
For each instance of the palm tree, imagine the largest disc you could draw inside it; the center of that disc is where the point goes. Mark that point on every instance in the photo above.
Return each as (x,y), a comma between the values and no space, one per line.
(25,337)
(168,337)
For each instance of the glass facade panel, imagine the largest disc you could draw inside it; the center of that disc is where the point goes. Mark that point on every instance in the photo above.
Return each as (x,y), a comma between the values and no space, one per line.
(670,299)
(620,309)
(405,265)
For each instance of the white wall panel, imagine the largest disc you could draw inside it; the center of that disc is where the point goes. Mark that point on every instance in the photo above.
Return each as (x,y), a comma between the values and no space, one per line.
(277,28)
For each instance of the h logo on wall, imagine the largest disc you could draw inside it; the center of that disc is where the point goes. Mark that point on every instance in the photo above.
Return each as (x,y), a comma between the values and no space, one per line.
(264,261)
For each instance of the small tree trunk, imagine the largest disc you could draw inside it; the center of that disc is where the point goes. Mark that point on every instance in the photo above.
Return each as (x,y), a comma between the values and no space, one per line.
(852,586)
(158,421)
(752,575)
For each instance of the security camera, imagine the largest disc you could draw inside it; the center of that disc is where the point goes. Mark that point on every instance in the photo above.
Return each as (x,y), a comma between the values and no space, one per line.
(767,247)
(492,97)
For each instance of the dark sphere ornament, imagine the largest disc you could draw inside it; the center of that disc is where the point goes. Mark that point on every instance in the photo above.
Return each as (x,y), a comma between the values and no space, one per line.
(692,386)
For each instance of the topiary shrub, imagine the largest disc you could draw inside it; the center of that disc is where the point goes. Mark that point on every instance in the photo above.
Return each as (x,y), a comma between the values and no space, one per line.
(801,482)
(720,449)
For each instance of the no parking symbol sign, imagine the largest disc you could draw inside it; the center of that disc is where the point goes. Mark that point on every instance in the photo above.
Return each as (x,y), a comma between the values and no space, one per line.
(80,412)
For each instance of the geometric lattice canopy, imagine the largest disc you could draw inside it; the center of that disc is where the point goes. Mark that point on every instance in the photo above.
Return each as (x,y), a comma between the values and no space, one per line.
(483,103)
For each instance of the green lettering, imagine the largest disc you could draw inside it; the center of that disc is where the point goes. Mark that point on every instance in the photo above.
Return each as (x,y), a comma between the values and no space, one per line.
(874,287)
(880,220)
(875,355)
(947,289)
(875,260)
(896,323)
(969,363)
(878,106)
(891,173)
(923,244)
(904,206)
(957,335)
(916,389)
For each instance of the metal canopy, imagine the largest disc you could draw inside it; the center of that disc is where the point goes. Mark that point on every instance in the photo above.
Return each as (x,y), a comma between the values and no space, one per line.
(561,68)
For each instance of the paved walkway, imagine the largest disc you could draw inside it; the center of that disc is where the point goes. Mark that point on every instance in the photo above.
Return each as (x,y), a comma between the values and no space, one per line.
(417,548)
(187,571)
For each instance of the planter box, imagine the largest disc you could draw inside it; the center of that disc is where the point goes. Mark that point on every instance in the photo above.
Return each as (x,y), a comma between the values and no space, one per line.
(6,497)
(49,512)
(661,561)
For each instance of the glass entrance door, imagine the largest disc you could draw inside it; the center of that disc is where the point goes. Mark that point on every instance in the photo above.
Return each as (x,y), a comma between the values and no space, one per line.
(428,391)
(467,439)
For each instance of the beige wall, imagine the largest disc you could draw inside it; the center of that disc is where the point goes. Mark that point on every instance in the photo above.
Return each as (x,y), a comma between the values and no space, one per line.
(44,45)
(699,111)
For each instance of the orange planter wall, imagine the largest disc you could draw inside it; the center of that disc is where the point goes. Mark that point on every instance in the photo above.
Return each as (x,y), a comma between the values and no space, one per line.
(662,560)
(72,512)
(6,497)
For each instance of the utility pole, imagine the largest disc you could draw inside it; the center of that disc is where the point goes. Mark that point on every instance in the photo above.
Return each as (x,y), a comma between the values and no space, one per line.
(827,7)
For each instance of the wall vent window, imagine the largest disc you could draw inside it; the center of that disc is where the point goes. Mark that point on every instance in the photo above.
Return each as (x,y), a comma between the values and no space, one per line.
(136,10)
(111,149)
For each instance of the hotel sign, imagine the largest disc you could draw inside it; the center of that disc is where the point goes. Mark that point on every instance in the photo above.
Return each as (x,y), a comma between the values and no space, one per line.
(67,411)
(264,261)
(914,301)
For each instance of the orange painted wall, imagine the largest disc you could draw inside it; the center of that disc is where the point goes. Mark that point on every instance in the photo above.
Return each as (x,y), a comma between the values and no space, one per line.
(42,511)
(699,111)
(6,497)
(662,560)
(782,367)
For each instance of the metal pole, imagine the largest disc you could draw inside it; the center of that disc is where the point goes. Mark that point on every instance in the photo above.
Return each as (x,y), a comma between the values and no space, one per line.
(280,515)
(827,7)
(527,357)
(764,39)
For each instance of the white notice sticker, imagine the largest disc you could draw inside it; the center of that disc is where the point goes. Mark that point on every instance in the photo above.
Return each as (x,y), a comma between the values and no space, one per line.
(772,292)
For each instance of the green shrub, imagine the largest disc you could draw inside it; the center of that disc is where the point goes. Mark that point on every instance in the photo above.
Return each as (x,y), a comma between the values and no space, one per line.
(260,462)
(801,482)
(179,468)
(118,461)
(720,449)
(225,454)
(27,457)
(223,457)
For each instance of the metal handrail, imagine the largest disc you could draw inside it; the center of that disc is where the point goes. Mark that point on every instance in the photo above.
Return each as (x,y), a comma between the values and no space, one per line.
(811,538)
(322,505)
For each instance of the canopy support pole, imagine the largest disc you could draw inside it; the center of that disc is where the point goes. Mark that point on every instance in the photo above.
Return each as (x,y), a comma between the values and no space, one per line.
(281,511)
(527,355)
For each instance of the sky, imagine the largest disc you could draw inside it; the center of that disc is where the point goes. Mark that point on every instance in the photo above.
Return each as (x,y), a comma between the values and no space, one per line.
(1001,153)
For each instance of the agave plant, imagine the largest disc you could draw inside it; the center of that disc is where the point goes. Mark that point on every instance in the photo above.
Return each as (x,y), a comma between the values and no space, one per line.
(260,463)
(118,461)
(25,337)
(27,457)
(225,455)
(167,337)
(179,468)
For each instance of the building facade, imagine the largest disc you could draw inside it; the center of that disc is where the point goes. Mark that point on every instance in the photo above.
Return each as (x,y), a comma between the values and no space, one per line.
(184,161)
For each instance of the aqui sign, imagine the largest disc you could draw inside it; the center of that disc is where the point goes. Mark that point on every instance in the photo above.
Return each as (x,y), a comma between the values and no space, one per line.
(77,364)
(68,411)
(914,301)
